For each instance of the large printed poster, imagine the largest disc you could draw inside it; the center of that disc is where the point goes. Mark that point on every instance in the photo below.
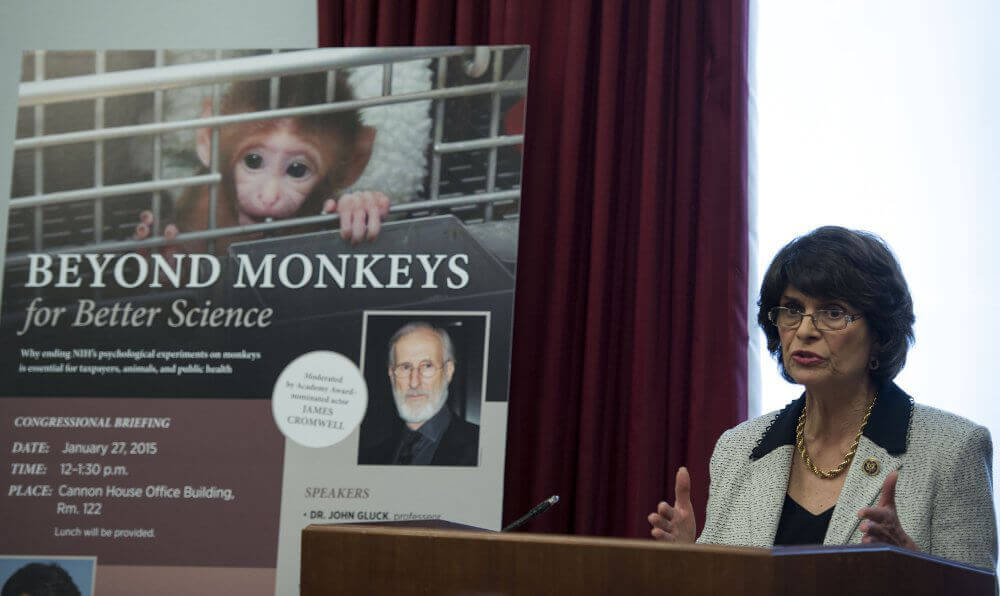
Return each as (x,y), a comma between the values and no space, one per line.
(249,291)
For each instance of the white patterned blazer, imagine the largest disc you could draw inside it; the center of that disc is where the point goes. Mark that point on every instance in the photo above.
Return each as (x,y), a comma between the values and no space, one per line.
(944,495)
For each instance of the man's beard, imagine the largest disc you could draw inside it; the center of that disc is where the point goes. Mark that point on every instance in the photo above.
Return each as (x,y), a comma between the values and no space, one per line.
(419,414)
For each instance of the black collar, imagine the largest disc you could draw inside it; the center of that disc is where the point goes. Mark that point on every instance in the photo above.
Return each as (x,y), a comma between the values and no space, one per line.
(887,427)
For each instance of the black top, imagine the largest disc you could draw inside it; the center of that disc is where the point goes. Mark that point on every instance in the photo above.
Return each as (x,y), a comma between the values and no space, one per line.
(798,526)
(458,445)
(417,447)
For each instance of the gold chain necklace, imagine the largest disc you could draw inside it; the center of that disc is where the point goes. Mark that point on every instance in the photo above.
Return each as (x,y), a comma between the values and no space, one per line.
(800,442)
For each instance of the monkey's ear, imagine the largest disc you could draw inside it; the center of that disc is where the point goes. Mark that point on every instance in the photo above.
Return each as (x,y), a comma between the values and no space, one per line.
(203,137)
(362,153)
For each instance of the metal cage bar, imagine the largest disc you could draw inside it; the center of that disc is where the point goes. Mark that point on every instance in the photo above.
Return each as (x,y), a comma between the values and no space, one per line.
(159,128)
(387,79)
(274,90)
(442,74)
(331,85)
(100,64)
(213,193)
(157,201)
(216,121)
(40,92)
(207,73)
(491,165)
(39,153)
(68,196)
(497,141)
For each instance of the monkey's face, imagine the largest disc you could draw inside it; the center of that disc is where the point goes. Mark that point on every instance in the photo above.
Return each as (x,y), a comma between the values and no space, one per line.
(274,171)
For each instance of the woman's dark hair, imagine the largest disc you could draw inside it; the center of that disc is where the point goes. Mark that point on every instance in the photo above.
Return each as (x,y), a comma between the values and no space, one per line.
(856,267)
(40,579)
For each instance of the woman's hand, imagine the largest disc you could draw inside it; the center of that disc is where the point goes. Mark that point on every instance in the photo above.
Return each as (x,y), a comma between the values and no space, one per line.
(677,523)
(880,523)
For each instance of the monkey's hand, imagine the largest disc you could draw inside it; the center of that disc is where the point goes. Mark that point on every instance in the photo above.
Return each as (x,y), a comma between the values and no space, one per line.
(361,214)
(145,227)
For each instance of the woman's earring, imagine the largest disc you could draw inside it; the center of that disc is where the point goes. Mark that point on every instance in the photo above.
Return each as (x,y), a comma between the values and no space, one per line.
(873,363)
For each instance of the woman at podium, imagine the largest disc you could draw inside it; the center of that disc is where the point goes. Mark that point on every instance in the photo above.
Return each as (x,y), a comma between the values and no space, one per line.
(854,459)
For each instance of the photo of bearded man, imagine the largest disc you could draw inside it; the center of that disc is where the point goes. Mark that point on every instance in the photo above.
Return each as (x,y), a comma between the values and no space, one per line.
(426,431)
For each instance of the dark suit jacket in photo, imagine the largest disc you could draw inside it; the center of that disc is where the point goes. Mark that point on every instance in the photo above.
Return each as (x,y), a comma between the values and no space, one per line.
(459,445)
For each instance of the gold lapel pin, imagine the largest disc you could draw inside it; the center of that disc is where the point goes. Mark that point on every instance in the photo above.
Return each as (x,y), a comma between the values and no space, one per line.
(871,466)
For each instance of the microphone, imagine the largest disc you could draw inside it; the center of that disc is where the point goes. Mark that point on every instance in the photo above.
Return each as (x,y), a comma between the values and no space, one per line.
(535,512)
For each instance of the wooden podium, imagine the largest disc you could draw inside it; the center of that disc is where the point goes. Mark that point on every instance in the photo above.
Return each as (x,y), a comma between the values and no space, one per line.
(401,559)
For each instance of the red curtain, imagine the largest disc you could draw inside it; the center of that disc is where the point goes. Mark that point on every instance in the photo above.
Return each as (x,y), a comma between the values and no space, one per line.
(630,335)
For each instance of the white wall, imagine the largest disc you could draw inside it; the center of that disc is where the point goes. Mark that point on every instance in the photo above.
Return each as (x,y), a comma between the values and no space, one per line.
(884,116)
(134,24)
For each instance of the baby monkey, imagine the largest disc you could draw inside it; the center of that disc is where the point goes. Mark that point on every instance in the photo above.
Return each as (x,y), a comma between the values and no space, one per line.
(280,168)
